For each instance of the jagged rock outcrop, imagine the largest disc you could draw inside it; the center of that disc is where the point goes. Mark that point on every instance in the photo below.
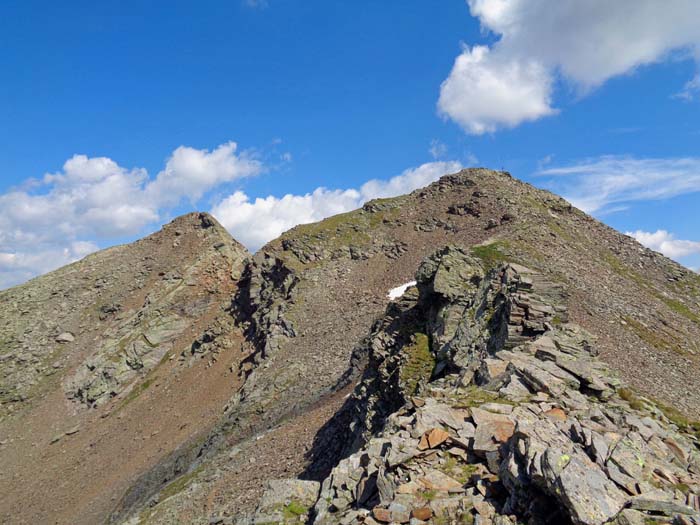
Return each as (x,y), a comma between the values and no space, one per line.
(286,419)
(520,422)
(254,388)
(264,293)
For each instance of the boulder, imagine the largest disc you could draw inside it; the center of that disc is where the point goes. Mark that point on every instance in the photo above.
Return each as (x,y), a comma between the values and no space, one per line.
(286,500)
(65,337)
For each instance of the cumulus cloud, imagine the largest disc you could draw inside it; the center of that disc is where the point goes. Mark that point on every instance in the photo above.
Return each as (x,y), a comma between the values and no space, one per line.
(603,184)
(486,90)
(666,243)
(541,42)
(191,172)
(257,221)
(408,181)
(18,267)
(60,218)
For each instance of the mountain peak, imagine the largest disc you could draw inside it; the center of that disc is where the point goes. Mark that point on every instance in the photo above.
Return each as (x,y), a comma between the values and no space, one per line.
(232,371)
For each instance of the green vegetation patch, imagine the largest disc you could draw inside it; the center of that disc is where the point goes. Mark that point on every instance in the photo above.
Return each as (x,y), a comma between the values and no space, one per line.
(428,495)
(492,254)
(675,305)
(137,391)
(294,510)
(653,338)
(616,265)
(679,419)
(353,228)
(179,484)
(458,469)
(473,396)
(634,401)
(174,488)
(681,308)
(674,415)
(419,363)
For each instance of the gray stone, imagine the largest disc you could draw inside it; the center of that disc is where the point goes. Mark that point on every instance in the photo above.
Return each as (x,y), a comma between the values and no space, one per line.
(65,337)
(590,496)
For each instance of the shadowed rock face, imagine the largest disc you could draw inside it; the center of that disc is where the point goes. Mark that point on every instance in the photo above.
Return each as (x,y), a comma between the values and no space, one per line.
(517,422)
(268,352)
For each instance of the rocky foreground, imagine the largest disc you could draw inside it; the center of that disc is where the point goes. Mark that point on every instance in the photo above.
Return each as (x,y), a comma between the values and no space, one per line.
(481,404)
(545,370)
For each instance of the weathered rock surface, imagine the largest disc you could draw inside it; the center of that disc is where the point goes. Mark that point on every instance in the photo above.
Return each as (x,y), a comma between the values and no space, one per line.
(99,377)
(209,402)
(563,448)
(339,272)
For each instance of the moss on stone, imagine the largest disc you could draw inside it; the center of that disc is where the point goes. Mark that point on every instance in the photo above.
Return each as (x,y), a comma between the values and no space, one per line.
(473,396)
(419,364)
(294,510)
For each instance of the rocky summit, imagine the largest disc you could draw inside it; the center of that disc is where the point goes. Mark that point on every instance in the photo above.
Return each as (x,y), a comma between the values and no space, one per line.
(478,351)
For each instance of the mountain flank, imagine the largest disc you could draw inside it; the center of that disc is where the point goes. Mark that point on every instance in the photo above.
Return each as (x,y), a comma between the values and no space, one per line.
(99,378)
(193,382)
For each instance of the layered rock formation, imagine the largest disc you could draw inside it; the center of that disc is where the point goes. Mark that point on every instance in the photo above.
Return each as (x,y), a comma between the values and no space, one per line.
(99,376)
(199,379)
(517,422)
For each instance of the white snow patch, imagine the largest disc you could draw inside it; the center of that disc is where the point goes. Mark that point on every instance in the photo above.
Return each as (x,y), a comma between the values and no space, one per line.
(397,292)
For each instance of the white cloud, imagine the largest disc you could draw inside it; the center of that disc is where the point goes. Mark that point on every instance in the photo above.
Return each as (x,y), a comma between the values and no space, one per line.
(486,90)
(408,181)
(690,89)
(437,149)
(19,267)
(584,43)
(60,218)
(597,185)
(255,222)
(666,243)
(191,172)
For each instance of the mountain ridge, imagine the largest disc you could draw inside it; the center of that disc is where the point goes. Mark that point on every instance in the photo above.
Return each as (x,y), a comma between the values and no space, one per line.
(291,320)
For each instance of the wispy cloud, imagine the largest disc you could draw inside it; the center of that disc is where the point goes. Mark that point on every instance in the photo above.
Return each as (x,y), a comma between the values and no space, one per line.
(256,4)
(625,130)
(690,90)
(437,149)
(542,42)
(602,184)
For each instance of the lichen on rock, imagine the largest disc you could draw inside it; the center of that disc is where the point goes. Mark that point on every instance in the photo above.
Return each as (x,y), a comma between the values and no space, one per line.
(521,425)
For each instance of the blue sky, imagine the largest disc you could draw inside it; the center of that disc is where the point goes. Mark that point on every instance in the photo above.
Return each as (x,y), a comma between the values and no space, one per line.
(133,108)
